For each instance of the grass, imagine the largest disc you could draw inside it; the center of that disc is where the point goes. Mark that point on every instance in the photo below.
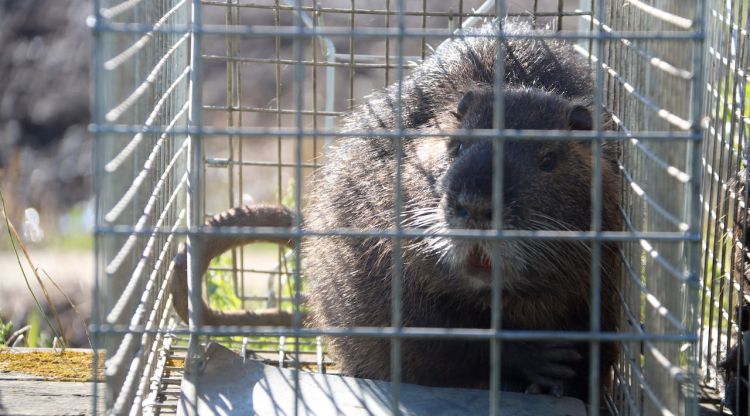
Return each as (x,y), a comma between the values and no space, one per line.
(35,335)
(220,287)
(78,241)
(222,294)
(73,231)
(6,329)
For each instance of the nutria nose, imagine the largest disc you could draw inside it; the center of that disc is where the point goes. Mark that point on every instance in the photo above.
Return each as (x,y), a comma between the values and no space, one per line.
(470,184)
(472,212)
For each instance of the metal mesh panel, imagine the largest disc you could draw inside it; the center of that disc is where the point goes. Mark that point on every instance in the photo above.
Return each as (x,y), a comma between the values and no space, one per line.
(141,110)
(653,87)
(205,105)
(724,300)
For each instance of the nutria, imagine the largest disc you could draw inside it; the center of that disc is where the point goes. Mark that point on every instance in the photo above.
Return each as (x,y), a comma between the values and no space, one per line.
(445,185)
(734,367)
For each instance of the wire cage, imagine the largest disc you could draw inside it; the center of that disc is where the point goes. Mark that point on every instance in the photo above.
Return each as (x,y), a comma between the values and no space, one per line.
(724,295)
(203,105)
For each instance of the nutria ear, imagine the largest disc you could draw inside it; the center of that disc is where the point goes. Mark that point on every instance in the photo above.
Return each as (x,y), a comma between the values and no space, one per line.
(463,105)
(580,118)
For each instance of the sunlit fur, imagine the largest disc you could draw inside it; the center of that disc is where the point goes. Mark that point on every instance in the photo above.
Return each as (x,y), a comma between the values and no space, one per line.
(545,283)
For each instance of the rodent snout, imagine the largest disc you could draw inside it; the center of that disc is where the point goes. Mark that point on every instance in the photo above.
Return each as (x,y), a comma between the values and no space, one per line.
(473,212)
(468,189)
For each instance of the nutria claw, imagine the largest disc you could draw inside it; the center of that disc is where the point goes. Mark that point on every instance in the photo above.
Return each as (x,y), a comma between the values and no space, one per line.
(543,364)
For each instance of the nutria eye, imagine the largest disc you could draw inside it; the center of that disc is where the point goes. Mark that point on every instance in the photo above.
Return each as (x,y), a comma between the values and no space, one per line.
(455,148)
(548,162)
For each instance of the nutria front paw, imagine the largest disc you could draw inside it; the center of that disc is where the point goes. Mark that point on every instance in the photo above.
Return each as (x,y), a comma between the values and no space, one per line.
(542,365)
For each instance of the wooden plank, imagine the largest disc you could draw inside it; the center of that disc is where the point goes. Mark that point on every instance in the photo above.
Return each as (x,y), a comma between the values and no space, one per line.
(229,386)
(24,395)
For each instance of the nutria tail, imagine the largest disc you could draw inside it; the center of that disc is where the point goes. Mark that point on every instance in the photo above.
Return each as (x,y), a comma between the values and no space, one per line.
(214,245)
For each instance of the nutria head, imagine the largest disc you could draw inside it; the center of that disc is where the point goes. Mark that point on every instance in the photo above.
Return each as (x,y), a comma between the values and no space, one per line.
(546,186)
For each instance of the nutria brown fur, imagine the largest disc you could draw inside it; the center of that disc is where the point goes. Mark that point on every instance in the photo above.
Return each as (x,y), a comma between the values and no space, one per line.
(445,185)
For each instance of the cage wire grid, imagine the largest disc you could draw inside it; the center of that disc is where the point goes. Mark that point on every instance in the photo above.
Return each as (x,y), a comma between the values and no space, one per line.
(186,126)
(724,296)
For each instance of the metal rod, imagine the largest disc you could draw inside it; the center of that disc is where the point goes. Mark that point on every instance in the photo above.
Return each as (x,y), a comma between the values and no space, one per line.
(194,210)
(411,332)
(365,32)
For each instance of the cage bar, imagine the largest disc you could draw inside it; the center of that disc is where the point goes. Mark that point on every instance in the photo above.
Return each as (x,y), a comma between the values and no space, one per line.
(203,105)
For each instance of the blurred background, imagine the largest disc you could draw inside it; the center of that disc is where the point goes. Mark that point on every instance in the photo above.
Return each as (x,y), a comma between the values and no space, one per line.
(45,158)
(46,150)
